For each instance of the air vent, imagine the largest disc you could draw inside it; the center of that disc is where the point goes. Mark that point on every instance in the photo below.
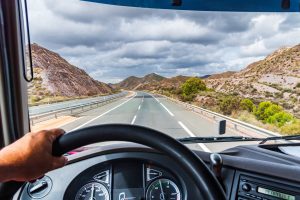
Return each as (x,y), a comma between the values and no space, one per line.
(40,188)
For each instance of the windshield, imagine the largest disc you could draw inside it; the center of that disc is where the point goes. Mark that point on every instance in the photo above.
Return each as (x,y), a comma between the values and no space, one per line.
(184,73)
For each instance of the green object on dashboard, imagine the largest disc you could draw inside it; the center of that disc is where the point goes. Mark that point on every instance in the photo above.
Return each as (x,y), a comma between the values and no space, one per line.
(273,193)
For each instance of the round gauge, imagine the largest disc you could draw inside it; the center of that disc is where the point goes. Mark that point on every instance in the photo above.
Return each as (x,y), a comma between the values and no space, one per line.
(163,189)
(92,191)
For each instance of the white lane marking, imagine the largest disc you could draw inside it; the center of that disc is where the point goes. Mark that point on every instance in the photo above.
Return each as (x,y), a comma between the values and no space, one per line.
(103,114)
(203,146)
(163,106)
(133,120)
(154,97)
(167,109)
(139,107)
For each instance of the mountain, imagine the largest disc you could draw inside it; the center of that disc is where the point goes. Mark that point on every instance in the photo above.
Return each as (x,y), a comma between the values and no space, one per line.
(205,76)
(54,76)
(173,83)
(151,82)
(153,77)
(275,78)
(133,82)
(128,83)
(222,75)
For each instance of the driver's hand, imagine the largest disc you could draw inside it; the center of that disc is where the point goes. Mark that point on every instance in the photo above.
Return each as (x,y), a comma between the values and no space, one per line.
(30,157)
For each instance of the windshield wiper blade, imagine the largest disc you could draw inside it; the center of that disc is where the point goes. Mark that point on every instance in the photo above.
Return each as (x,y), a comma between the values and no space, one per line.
(217,139)
(287,137)
(190,140)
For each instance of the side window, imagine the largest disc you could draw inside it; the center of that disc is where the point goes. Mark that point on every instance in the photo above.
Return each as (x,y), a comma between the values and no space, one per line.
(1,133)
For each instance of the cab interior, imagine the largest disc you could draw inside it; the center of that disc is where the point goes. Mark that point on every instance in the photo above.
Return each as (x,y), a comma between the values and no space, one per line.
(147,164)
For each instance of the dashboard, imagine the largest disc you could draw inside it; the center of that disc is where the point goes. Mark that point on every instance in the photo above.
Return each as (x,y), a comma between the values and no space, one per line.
(124,179)
(135,172)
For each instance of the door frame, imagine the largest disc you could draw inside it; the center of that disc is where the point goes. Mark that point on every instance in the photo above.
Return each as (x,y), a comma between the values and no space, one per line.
(13,87)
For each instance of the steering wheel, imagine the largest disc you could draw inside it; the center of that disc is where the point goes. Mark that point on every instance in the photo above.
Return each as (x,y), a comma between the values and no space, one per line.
(205,181)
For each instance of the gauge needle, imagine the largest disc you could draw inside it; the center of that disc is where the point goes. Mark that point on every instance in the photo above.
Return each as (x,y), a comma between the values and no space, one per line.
(92,192)
(162,192)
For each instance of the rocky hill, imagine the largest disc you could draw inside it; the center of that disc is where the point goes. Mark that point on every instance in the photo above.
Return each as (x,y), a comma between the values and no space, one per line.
(151,82)
(134,83)
(54,76)
(222,75)
(275,78)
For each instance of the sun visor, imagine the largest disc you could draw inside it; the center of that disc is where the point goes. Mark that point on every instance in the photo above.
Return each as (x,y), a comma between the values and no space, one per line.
(212,5)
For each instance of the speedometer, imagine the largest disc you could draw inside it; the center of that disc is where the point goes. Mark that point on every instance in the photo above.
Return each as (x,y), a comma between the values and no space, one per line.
(92,191)
(163,189)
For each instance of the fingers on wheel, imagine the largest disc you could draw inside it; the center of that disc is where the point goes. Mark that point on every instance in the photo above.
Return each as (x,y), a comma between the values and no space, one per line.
(59,162)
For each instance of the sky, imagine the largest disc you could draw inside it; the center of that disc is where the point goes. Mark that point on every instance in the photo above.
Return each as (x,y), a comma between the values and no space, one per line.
(113,42)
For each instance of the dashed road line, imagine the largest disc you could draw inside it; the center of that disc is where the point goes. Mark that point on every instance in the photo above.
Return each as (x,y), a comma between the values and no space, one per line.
(163,105)
(133,120)
(203,146)
(154,98)
(103,114)
(167,109)
(139,107)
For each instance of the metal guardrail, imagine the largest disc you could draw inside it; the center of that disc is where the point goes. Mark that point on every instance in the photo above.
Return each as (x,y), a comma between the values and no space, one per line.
(235,124)
(74,109)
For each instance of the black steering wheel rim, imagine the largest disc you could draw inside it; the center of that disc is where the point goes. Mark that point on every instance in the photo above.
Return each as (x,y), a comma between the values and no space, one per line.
(206,182)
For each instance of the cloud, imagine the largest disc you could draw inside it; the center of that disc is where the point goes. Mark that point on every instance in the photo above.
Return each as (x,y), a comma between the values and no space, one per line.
(113,42)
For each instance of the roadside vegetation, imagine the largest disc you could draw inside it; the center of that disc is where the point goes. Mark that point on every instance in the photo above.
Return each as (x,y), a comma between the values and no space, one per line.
(191,88)
(265,114)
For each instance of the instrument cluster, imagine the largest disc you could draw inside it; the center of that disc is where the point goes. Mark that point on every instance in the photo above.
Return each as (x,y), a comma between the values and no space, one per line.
(125,180)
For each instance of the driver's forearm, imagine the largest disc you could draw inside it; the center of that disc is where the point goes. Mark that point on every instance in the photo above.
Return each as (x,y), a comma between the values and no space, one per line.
(7,169)
(4,173)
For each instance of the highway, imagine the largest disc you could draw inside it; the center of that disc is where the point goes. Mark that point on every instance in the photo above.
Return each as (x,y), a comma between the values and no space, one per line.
(158,113)
(35,110)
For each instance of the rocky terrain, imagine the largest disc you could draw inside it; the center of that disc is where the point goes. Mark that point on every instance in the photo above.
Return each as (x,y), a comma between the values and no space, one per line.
(151,82)
(275,78)
(134,83)
(54,76)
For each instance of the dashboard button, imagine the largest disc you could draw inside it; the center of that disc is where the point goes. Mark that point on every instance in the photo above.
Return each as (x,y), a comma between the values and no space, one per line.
(246,187)
(40,188)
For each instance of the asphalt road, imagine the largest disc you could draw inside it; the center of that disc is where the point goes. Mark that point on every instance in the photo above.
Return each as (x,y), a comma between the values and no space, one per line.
(157,113)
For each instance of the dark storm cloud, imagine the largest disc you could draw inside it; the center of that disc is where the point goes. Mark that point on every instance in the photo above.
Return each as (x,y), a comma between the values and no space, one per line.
(112,42)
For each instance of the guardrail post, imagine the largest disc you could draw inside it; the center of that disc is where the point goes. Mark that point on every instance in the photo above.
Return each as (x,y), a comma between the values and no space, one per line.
(55,115)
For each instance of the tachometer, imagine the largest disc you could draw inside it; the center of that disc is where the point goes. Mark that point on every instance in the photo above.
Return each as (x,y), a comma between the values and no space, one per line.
(163,189)
(92,191)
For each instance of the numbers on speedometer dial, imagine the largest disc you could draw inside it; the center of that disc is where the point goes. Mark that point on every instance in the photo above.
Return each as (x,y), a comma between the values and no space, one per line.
(163,189)
(92,191)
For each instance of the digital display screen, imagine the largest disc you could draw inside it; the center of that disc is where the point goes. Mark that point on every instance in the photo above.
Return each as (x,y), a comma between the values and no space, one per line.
(128,181)
(275,194)
(128,175)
